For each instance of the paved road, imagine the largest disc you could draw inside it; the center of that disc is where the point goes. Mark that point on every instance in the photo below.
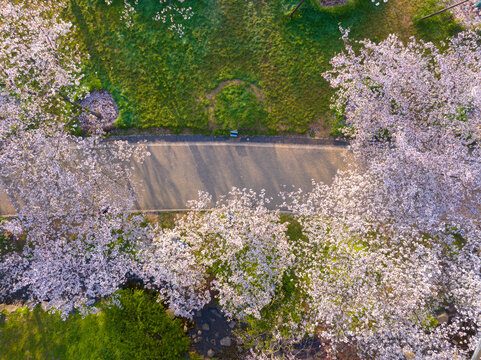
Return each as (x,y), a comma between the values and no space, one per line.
(176,171)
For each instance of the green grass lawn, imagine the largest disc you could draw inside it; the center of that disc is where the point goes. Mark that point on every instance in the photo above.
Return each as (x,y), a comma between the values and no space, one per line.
(240,65)
(139,330)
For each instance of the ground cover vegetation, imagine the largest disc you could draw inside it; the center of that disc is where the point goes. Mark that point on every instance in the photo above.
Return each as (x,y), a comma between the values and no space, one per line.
(161,79)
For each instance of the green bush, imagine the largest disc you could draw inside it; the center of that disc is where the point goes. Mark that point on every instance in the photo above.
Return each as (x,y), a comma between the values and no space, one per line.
(139,329)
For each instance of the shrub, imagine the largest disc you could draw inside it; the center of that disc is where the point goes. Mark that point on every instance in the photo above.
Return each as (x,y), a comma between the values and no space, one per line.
(141,329)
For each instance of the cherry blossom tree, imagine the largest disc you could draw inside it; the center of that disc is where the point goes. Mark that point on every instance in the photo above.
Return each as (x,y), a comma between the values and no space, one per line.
(239,242)
(392,261)
(39,62)
(170,266)
(414,115)
(467,13)
(72,195)
(72,200)
(382,285)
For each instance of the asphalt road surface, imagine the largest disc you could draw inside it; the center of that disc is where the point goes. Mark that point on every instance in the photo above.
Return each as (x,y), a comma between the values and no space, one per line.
(176,171)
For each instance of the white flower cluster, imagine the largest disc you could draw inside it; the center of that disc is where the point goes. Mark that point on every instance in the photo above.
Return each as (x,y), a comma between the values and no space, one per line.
(468,14)
(37,59)
(243,244)
(377,3)
(265,355)
(128,12)
(170,266)
(102,103)
(172,13)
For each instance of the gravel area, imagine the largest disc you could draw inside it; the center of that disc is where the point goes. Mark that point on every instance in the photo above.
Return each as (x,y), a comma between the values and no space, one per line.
(212,334)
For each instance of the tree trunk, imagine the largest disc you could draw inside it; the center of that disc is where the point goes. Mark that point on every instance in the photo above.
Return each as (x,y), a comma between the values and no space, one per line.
(297,7)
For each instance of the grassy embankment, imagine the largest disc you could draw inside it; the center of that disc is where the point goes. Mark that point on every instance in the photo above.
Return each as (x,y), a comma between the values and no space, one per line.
(243,65)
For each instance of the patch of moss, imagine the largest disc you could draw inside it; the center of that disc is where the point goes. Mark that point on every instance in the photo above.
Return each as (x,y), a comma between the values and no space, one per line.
(237,108)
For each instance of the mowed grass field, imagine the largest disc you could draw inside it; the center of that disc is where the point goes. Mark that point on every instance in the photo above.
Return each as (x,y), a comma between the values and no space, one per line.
(240,65)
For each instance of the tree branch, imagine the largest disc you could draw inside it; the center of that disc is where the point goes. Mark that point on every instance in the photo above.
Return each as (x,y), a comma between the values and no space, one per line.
(299,5)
